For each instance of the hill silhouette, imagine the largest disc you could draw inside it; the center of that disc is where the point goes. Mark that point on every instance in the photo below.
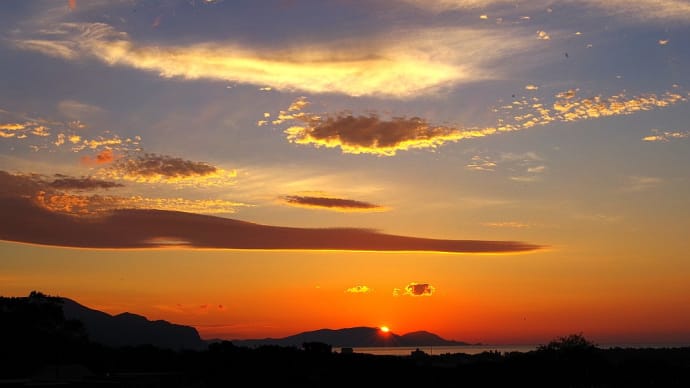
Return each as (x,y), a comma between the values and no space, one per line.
(40,347)
(129,329)
(354,337)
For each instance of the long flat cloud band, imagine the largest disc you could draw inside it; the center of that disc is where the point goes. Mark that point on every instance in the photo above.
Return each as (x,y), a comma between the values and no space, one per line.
(23,221)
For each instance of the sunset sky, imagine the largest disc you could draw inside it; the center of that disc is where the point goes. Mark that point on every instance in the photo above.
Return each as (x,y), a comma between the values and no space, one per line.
(495,171)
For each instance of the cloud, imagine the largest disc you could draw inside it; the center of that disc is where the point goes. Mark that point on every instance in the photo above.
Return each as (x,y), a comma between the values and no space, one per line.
(154,168)
(330,203)
(662,10)
(78,110)
(33,215)
(527,165)
(372,134)
(574,109)
(53,195)
(415,289)
(506,224)
(543,35)
(402,63)
(358,290)
(449,5)
(665,136)
(652,10)
(104,157)
(525,113)
(48,134)
(641,183)
(83,183)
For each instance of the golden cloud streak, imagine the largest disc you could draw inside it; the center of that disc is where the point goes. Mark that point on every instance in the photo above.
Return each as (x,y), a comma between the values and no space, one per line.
(382,66)
(385,137)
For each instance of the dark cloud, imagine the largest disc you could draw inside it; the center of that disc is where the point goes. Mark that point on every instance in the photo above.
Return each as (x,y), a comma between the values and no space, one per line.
(419,289)
(341,204)
(25,219)
(370,134)
(152,165)
(83,183)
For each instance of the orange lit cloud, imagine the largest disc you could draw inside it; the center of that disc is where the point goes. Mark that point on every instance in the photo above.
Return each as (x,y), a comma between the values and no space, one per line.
(358,290)
(525,113)
(665,136)
(573,109)
(51,134)
(153,168)
(399,64)
(104,157)
(415,289)
(330,203)
(54,196)
(34,216)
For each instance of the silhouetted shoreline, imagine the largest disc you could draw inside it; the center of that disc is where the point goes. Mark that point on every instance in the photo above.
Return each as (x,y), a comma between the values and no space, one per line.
(41,347)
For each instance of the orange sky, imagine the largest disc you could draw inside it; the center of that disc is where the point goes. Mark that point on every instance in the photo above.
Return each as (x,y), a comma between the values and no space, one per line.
(491,171)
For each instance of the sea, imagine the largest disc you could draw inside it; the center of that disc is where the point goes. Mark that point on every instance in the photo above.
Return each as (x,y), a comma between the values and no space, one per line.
(475,349)
(437,350)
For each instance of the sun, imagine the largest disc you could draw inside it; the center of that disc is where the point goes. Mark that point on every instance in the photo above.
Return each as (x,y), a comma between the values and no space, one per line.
(385,329)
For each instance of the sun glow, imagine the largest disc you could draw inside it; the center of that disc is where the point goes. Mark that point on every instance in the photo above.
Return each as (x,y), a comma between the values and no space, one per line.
(385,329)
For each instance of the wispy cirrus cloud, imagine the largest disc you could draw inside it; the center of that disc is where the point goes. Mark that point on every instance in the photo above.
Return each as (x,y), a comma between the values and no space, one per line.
(415,289)
(666,136)
(651,10)
(523,167)
(506,224)
(331,203)
(401,64)
(646,10)
(641,183)
(77,110)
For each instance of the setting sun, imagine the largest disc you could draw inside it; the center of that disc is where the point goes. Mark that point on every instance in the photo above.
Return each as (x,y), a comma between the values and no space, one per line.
(385,329)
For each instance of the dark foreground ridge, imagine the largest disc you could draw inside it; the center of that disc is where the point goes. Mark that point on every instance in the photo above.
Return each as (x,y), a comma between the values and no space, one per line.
(40,347)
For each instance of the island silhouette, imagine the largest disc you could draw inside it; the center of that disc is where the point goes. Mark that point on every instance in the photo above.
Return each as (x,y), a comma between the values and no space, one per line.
(52,341)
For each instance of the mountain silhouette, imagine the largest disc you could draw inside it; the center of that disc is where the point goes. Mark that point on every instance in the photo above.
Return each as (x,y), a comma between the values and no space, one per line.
(354,337)
(129,329)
